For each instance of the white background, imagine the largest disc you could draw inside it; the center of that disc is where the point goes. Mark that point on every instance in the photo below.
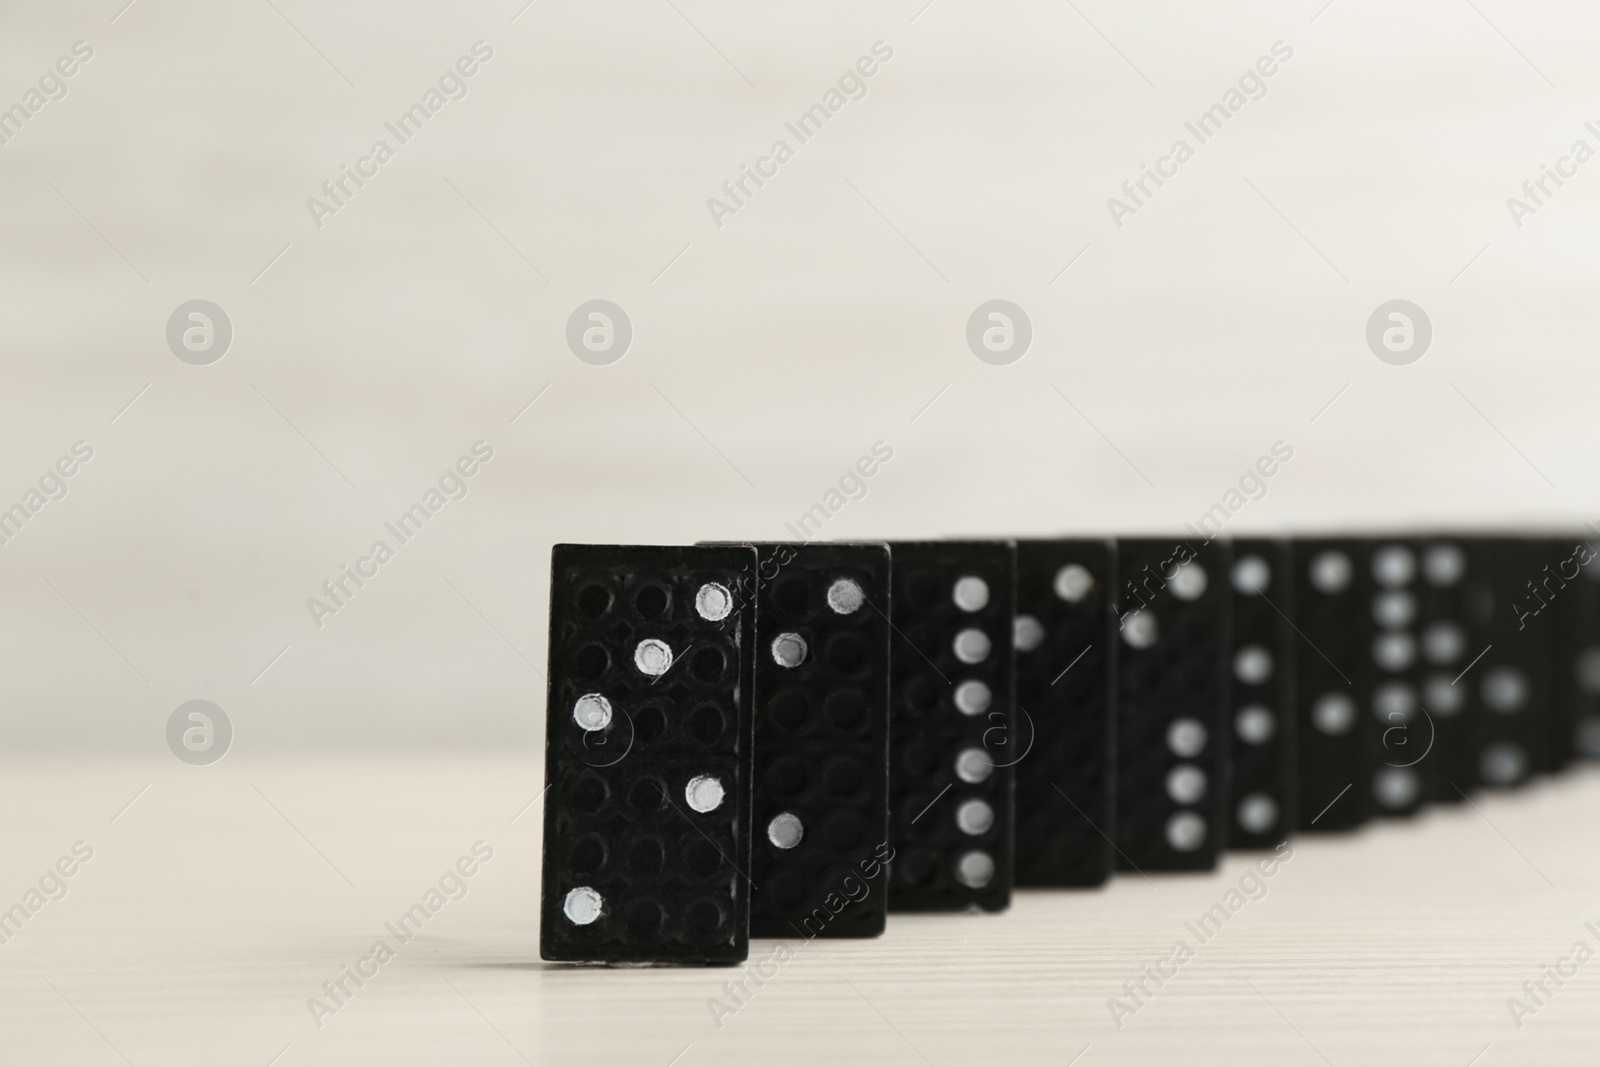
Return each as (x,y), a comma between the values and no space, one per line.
(824,316)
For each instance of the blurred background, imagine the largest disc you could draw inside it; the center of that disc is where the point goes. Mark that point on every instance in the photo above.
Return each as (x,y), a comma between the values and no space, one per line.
(243,345)
(375,339)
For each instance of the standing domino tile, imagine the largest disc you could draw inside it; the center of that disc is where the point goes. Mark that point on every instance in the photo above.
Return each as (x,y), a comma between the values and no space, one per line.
(1457,602)
(1514,678)
(1066,645)
(648,755)
(952,742)
(1333,593)
(1173,710)
(820,794)
(1400,728)
(1263,803)
(1575,725)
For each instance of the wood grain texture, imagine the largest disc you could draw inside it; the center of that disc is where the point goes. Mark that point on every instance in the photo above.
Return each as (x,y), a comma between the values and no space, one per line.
(223,897)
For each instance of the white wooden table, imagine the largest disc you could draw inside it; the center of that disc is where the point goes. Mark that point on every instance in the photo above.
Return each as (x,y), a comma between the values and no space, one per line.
(223,898)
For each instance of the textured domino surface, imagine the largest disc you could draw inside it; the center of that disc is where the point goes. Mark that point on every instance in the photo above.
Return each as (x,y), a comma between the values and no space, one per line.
(1514,680)
(820,792)
(648,755)
(1400,732)
(1174,607)
(1264,798)
(950,772)
(1456,603)
(1333,592)
(1065,640)
(1575,723)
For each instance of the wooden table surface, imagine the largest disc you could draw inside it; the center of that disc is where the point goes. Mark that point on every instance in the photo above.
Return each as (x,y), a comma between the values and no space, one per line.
(219,900)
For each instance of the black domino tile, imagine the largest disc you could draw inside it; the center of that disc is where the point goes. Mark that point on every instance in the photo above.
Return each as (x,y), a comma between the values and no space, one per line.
(1400,730)
(1457,603)
(1065,640)
(1333,590)
(951,832)
(1173,705)
(820,793)
(1515,678)
(621,835)
(1264,797)
(1575,722)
